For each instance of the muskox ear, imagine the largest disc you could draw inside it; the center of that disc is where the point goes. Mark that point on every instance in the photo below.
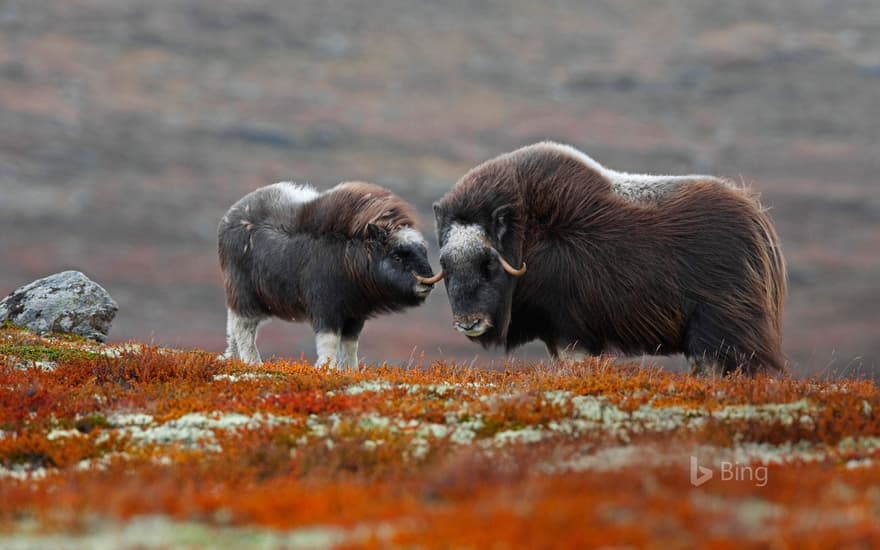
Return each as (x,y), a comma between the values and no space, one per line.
(501,221)
(376,233)
(438,220)
(438,210)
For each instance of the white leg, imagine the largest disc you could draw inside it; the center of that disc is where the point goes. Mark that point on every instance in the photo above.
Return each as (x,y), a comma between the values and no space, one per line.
(243,338)
(349,354)
(571,354)
(328,349)
(231,346)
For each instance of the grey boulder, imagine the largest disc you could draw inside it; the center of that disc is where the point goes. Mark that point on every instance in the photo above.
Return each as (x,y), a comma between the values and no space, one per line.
(66,302)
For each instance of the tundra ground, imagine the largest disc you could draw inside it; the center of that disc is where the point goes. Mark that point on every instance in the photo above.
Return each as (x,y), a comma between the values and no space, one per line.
(130,446)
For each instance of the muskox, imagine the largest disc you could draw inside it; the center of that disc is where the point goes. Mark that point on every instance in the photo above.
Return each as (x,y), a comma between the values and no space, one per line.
(332,259)
(545,243)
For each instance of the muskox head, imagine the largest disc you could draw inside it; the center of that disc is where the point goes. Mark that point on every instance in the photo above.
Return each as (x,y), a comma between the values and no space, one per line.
(400,261)
(474,247)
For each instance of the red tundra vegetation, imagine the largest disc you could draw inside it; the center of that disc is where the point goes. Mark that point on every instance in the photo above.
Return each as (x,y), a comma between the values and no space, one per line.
(100,441)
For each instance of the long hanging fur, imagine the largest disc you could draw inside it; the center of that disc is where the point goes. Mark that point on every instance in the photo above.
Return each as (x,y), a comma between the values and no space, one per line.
(638,264)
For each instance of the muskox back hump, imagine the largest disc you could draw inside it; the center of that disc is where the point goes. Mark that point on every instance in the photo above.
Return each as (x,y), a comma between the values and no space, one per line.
(649,189)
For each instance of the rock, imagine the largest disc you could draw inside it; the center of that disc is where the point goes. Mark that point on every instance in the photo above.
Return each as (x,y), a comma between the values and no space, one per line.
(66,302)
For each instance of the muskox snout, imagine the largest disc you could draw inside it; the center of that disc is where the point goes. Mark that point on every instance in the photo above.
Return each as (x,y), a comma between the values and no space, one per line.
(471,325)
(422,290)
(424,285)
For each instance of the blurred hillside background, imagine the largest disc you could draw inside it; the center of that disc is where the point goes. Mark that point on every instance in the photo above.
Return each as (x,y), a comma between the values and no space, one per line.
(127,127)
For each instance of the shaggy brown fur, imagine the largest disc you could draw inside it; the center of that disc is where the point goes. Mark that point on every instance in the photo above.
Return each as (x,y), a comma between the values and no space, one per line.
(351,207)
(699,270)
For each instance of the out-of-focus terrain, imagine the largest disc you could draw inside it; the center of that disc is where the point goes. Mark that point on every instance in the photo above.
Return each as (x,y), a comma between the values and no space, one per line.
(128,127)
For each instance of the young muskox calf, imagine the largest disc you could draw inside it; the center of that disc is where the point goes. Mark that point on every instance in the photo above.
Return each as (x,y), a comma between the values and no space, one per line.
(333,259)
(638,264)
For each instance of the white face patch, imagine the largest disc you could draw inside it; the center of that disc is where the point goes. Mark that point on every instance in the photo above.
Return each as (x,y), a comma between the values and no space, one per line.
(408,235)
(643,188)
(462,241)
(295,193)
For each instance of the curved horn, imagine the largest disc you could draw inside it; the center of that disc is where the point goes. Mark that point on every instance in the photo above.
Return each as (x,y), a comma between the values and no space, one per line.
(509,268)
(429,280)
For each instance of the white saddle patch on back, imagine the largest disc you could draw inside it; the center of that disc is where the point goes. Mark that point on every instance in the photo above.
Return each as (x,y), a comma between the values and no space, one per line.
(648,188)
(632,187)
(294,192)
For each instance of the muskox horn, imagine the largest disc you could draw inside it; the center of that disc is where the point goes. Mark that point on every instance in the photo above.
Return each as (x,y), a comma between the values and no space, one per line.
(429,280)
(510,269)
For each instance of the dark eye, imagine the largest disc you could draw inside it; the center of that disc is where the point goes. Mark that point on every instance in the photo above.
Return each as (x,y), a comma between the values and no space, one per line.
(397,256)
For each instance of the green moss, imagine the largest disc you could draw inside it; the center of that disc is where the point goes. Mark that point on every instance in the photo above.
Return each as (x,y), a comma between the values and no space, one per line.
(492,426)
(69,337)
(12,330)
(44,353)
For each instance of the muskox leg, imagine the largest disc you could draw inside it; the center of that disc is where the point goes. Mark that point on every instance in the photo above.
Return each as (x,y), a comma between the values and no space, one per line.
(231,345)
(710,346)
(706,366)
(568,353)
(241,336)
(348,357)
(349,345)
(327,344)
(571,354)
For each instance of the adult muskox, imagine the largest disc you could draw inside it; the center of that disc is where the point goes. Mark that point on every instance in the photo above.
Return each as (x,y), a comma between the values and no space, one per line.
(333,259)
(545,243)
